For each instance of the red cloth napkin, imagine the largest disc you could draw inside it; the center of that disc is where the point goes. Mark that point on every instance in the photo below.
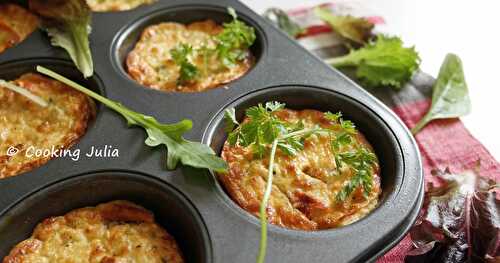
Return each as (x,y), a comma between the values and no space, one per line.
(442,143)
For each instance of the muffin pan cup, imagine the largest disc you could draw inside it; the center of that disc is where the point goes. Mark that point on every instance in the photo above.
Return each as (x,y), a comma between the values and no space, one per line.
(284,72)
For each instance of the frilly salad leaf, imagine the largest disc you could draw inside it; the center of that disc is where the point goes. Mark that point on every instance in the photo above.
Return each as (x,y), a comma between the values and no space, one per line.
(186,152)
(460,222)
(355,29)
(450,95)
(67,22)
(282,21)
(384,62)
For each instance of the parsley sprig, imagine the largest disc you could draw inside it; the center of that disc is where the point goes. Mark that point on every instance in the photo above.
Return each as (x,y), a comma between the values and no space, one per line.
(361,162)
(234,40)
(265,133)
(230,47)
(188,70)
(263,128)
(360,159)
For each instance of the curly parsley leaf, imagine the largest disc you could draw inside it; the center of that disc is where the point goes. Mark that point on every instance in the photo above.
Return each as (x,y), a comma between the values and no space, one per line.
(231,46)
(188,153)
(234,40)
(188,70)
(334,117)
(360,159)
(355,29)
(450,96)
(361,162)
(261,129)
(265,133)
(68,25)
(282,21)
(384,62)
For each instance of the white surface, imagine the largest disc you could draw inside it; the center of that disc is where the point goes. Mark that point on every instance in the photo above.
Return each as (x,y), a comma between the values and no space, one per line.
(465,28)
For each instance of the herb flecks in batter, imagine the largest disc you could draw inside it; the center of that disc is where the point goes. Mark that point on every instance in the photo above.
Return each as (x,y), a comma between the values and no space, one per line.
(264,133)
(186,152)
(188,71)
(231,47)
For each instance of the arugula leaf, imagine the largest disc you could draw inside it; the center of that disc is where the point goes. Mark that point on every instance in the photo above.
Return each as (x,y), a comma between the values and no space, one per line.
(180,55)
(460,221)
(188,153)
(355,29)
(282,21)
(384,62)
(68,25)
(450,96)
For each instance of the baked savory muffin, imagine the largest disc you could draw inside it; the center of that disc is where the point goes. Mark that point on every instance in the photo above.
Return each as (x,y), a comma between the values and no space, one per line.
(27,126)
(16,23)
(118,231)
(116,5)
(306,186)
(151,64)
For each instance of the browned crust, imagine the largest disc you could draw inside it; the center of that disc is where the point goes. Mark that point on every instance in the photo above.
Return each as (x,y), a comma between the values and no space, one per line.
(143,73)
(81,110)
(115,6)
(16,22)
(8,37)
(112,214)
(300,206)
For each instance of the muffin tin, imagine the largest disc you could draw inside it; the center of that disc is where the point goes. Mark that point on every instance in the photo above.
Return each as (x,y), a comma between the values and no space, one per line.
(189,202)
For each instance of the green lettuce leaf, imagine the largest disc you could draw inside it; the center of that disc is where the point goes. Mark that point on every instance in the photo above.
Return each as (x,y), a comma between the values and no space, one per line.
(67,23)
(384,62)
(450,95)
(355,29)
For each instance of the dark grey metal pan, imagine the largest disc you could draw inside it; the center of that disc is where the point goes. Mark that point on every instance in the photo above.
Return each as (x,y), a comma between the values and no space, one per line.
(400,194)
(171,209)
(284,72)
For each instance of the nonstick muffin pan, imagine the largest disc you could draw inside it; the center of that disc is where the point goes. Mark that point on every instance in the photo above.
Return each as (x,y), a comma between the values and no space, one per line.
(190,203)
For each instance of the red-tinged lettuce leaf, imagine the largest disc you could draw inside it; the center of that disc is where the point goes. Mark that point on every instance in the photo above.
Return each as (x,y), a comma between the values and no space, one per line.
(358,30)
(460,221)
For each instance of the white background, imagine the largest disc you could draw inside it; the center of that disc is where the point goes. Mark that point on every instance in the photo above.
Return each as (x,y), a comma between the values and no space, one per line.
(436,27)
